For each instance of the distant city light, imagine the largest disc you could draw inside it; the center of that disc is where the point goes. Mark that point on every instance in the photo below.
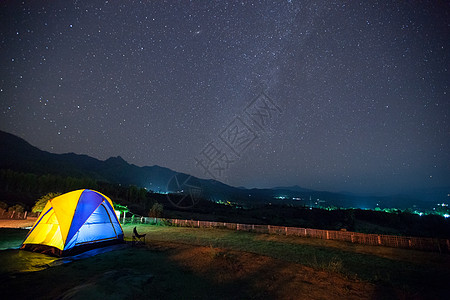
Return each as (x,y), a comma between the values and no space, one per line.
(446,215)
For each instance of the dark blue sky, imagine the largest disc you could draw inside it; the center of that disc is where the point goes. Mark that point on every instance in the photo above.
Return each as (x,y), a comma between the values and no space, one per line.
(337,96)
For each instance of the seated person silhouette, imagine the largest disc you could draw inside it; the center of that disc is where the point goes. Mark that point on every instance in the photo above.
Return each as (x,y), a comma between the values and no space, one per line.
(140,238)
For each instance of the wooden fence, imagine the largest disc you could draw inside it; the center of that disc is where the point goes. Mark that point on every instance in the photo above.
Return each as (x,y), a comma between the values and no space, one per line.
(418,243)
(4,214)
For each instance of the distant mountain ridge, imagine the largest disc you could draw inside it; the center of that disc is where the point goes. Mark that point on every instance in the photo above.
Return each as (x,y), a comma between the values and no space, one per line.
(18,155)
(294,188)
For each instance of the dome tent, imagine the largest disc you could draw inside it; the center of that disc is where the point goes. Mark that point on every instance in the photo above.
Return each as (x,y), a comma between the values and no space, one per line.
(74,222)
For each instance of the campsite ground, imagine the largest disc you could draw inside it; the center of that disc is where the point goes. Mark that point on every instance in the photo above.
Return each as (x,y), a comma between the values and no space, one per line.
(7,223)
(187,263)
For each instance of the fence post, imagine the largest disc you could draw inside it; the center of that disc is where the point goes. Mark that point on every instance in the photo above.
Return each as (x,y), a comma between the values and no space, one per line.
(439,245)
(328,236)
(285,229)
(379,240)
(25,216)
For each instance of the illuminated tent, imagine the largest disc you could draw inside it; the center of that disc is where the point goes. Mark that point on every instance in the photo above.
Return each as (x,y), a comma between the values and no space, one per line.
(74,222)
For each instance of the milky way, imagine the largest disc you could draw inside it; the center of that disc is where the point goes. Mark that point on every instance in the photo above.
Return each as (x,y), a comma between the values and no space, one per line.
(356,94)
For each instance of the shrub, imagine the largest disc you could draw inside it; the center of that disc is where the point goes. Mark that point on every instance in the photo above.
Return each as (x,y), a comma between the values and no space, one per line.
(3,205)
(17,208)
(41,202)
(156,211)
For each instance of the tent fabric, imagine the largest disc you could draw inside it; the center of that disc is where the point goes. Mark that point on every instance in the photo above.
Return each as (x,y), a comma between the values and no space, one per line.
(72,221)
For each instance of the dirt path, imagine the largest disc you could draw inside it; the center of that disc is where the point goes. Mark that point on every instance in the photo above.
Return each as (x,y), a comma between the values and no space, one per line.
(262,277)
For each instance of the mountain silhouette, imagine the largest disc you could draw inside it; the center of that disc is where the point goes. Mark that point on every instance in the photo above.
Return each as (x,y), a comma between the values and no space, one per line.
(18,155)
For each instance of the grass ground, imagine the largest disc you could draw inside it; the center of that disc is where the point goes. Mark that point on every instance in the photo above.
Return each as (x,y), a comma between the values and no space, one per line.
(409,270)
(192,263)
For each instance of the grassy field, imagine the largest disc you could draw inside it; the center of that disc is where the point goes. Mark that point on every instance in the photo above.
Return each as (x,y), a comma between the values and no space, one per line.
(409,269)
(193,263)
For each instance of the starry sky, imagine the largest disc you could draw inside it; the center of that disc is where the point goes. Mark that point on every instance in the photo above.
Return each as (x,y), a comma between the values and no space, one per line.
(329,95)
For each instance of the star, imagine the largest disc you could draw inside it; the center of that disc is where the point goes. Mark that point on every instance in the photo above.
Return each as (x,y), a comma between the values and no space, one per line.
(362,87)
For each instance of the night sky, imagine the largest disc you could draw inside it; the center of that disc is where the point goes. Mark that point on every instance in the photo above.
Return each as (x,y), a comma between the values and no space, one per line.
(341,96)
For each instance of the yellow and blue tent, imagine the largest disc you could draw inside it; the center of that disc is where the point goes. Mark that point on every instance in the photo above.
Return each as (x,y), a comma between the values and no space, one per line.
(74,222)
